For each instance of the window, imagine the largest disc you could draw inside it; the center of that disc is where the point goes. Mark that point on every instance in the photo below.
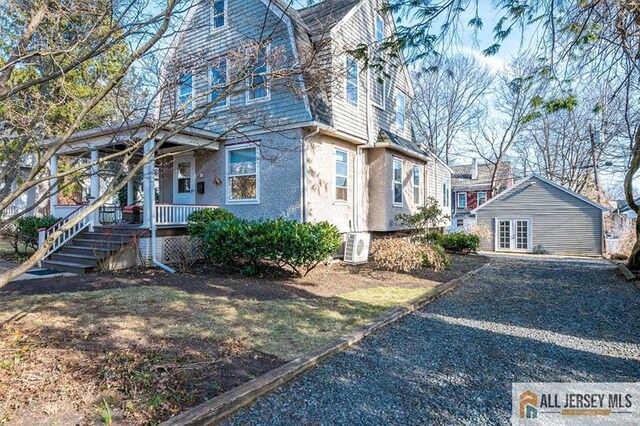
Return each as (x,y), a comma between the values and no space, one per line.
(397,181)
(379,29)
(482,198)
(218,83)
(459,223)
(243,174)
(446,193)
(462,200)
(185,91)
(416,184)
(258,87)
(379,95)
(342,168)
(352,81)
(218,13)
(400,111)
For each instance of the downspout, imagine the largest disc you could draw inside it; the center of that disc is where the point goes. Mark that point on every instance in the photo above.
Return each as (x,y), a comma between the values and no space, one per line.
(303,183)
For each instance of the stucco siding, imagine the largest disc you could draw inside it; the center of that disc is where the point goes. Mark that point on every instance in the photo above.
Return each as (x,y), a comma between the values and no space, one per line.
(560,222)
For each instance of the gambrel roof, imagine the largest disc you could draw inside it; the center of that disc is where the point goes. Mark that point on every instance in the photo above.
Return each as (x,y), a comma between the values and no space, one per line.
(321,17)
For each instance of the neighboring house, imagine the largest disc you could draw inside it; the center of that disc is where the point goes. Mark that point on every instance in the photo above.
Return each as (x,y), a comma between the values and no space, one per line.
(472,188)
(340,149)
(27,199)
(538,212)
(622,216)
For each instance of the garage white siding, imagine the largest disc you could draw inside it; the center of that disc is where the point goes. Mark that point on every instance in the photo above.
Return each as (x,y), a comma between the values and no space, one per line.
(561,222)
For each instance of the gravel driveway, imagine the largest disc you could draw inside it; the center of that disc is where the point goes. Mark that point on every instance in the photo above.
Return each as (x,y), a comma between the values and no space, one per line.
(453,361)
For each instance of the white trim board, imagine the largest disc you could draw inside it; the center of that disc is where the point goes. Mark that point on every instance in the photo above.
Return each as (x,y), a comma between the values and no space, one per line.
(555,185)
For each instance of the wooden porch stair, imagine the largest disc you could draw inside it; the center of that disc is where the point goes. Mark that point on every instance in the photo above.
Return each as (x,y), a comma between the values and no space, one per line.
(87,250)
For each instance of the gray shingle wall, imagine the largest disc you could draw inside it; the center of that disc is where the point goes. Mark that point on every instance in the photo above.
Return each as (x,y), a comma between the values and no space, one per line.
(563,224)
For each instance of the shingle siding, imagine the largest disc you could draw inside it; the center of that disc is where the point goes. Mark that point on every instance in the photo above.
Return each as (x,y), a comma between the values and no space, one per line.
(561,223)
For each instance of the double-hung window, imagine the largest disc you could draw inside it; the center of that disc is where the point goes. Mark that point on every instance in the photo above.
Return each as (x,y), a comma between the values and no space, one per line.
(462,200)
(446,193)
(379,29)
(258,85)
(218,81)
(342,172)
(218,10)
(352,81)
(400,111)
(379,92)
(416,184)
(185,91)
(397,182)
(243,174)
(482,198)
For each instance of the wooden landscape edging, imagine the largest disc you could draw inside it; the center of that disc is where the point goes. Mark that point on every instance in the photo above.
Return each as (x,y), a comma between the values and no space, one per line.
(628,275)
(214,410)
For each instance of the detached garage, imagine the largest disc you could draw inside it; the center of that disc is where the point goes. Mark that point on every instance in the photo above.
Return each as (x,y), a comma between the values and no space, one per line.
(538,212)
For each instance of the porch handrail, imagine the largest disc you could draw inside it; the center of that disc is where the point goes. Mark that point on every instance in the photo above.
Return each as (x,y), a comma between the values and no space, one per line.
(176,214)
(67,235)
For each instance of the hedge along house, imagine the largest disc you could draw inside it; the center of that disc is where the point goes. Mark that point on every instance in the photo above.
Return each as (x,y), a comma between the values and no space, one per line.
(538,212)
(333,144)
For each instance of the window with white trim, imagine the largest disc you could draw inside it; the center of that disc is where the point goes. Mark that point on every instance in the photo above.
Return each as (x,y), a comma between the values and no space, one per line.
(243,174)
(185,91)
(401,101)
(446,193)
(416,184)
(379,92)
(352,81)
(218,82)
(342,172)
(397,181)
(482,198)
(379,29)
(258,85)
(218,13)
(462,200)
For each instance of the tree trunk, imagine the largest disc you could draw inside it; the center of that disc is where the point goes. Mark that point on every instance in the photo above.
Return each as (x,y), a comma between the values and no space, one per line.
(634,259)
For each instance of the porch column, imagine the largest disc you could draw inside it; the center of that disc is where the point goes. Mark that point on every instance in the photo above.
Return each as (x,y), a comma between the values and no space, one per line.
(148,186)
(130,189)
(53,185)
(95,183)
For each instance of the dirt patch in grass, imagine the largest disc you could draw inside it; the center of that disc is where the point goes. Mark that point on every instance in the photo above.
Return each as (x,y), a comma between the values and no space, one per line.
(139,347)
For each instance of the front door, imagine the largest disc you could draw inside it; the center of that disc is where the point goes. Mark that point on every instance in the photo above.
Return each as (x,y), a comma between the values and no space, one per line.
(184,179)
(513,235)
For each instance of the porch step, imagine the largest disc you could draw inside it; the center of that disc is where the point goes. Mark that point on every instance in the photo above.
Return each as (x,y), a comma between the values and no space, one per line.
(85,259)
(87,251)
(105,235)
(113,244)
(73,267)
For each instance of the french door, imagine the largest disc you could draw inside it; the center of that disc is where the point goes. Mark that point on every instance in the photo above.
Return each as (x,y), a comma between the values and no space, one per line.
(513,234)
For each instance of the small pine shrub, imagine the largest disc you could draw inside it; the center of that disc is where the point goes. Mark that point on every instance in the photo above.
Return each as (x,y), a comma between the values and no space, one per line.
(459,242)
(396,254)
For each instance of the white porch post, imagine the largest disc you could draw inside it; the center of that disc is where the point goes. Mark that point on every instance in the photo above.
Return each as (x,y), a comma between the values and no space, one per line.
(148,186)
(130,194)
(95,184)
(53,185)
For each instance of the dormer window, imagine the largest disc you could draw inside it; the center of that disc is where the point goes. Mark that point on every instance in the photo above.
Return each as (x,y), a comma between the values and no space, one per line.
(258,85)
(218,80)
(218,10)
(379,29)
(185,91)
(352,81)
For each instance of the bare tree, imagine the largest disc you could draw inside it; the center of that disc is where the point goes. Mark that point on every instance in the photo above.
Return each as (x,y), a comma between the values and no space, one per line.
(448,100)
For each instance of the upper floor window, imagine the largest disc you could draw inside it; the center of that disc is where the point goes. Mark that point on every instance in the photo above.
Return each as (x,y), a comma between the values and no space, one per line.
(446,193)
(352,81)
(243,174)
(218,10)
(482,198)
(185,91)
(416,184)
(379,93)
(400,112)
(218,84)
(342,169)
(397,181)
(462,200)
(258,85)
(379,29)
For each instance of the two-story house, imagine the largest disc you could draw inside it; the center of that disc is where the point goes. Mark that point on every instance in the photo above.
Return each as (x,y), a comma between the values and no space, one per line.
(471,185)
(310,131)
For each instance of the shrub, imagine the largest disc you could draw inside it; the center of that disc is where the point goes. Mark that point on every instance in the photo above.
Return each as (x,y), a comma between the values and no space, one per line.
(459,242)
(540,249)
(430,238)
(25,231)
(396,254)
(435,257)
(244,244)
(198,220)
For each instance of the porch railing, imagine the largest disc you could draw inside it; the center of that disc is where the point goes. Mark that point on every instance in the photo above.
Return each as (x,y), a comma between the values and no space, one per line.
(176,214)
(66,236)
